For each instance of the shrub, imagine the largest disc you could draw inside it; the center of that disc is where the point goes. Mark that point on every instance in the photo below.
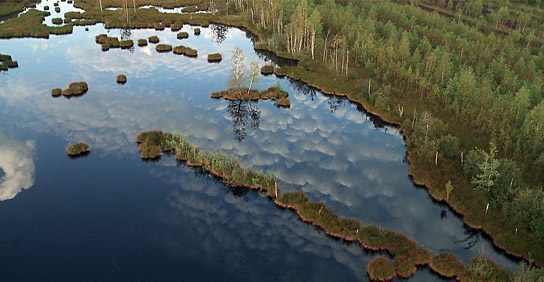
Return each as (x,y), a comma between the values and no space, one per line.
(57,21)
(153,39)
(182,35)
(77,149)
(163,48)
(121,79)
(214,57)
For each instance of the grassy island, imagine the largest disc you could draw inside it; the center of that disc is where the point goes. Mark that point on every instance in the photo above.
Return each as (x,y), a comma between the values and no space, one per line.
(267,69)
(163,48)
(142,42)
(196,31)
(273,93)
(215,58)
(184,50)
(176,27)
(78,149)
(182,35)
(121,79)
(56,92)
(126,44)
(73,90)
(6,62)
(153,39)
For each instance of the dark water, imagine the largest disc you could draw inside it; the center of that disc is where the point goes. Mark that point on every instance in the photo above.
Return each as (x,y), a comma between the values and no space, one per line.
(110,216)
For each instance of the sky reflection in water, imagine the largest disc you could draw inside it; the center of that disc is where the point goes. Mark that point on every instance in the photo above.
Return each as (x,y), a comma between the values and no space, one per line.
(323,146)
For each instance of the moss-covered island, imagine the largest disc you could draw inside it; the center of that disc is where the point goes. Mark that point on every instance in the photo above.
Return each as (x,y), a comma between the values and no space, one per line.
(274,93)
(121,78)
(214,58)
(6,62)
(74,89)
(187,51)
(267,69)
(78,149)
(182,35)
(163,48)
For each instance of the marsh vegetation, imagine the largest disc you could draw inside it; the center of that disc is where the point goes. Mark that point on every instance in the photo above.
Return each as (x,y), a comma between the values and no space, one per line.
(78,149)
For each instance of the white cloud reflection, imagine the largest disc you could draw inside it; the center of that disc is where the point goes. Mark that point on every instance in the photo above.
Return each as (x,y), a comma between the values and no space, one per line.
(17,166)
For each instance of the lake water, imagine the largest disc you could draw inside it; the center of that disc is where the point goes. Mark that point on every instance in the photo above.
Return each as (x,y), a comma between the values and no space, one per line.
(109,216)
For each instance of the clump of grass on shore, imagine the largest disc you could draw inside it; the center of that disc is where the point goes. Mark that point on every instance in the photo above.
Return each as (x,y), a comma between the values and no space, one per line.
(380,269)
(176,27)
(78,149)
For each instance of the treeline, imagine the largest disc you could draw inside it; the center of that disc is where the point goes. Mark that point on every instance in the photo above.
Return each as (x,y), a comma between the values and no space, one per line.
(481,88)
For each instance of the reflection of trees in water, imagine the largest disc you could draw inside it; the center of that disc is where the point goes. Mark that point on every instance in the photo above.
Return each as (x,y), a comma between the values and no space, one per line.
(303,88)
(335,103)
(443,215)
(219,33)
(126,34)
(242,114)
(269,56)
(471,239)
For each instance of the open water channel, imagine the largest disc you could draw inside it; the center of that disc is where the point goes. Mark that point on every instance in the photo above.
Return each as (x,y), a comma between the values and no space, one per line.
(109,216)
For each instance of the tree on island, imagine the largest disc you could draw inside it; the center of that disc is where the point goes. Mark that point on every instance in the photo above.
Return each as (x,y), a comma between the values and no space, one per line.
(239,77)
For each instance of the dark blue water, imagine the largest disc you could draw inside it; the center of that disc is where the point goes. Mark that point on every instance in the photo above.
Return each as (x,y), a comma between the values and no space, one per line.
(110,216)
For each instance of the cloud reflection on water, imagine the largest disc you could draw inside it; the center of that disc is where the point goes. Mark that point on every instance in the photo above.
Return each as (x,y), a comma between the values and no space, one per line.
(17,165)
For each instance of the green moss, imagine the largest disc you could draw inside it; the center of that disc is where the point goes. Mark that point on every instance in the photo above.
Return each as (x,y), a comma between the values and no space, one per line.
(162,48)
(77,149)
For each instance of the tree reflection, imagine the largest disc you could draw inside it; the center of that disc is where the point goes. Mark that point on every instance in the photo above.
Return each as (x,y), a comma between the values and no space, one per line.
(335,102)
(219,33)
(243,113)
(471,239)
